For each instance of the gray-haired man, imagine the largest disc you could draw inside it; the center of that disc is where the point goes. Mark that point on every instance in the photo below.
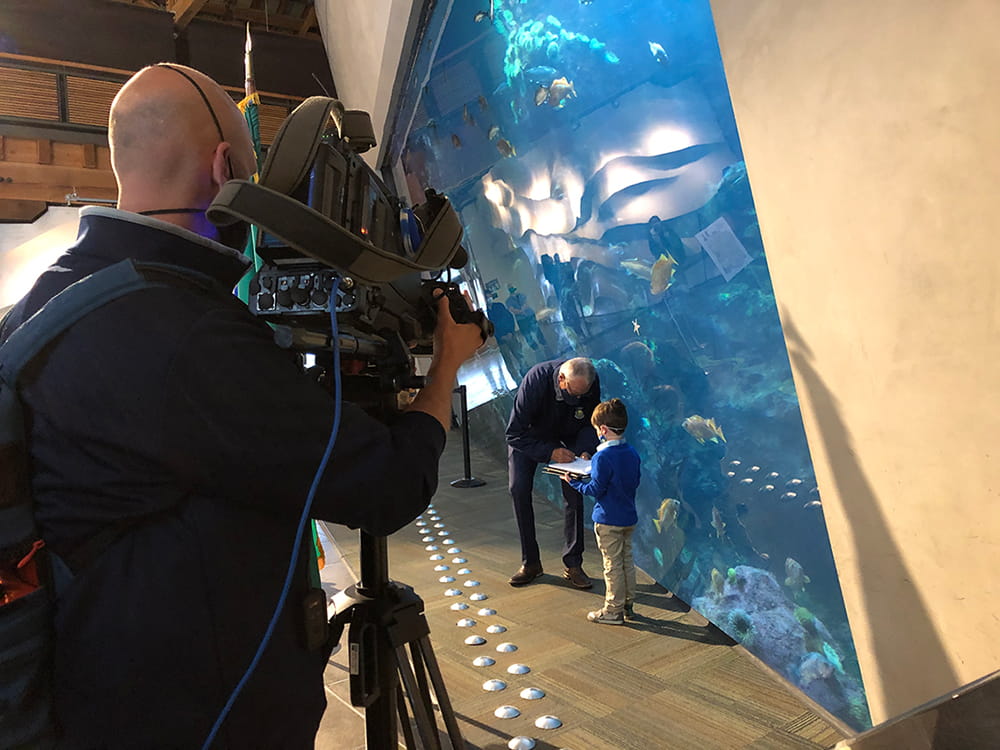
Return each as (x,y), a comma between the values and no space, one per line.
(550,422)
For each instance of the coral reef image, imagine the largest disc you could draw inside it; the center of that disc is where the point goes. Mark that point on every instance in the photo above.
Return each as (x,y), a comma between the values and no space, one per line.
(593,156)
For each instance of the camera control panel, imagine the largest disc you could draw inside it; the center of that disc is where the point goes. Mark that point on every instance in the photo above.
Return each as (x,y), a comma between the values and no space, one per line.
(290,291)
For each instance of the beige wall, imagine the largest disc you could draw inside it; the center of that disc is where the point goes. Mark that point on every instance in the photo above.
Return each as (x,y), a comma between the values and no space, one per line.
(872,139)
(364,40)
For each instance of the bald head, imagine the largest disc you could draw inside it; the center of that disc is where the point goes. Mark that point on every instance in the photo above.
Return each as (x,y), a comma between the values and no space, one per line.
(166,149)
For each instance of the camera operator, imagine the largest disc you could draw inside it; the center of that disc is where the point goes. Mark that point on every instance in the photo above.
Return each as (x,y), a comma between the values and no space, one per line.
(173,445)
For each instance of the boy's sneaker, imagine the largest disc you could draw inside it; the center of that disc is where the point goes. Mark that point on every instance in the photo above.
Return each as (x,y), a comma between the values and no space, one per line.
(629,611)
(602,617)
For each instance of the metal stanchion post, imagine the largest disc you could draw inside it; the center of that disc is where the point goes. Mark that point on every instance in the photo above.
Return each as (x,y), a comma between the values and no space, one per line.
(468,480)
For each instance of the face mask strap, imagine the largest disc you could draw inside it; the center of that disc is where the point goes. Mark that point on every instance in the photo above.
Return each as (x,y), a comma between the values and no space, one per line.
(201,93)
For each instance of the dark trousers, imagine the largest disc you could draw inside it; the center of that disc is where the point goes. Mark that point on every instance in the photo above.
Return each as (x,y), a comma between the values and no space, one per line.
(521,469)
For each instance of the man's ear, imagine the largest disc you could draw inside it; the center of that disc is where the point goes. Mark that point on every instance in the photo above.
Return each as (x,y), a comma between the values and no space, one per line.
(221,167)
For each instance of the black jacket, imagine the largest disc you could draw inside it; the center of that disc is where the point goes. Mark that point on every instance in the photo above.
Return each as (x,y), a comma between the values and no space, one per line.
(174,407)
(542,421)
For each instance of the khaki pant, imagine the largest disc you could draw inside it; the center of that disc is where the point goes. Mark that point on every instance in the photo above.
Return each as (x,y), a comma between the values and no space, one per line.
(615,543)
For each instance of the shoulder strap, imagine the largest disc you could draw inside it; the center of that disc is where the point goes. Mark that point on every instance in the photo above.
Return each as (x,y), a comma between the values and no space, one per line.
(81,298)
(33,336)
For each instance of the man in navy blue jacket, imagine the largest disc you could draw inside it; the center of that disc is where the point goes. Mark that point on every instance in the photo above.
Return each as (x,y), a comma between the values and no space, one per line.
(172,413)
(550,422)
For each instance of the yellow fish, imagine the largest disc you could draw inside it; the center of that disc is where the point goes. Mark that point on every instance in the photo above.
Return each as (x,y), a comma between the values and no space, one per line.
(702,429)
(667,515)
(718,582)
(506,148)
(717,523)
(638,268)
(559,91)
(662,273)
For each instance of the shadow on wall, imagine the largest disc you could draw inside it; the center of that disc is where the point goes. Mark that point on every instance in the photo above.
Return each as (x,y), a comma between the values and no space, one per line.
(905,609)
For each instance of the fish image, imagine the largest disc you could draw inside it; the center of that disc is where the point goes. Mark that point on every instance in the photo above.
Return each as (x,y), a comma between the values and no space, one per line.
(483,104)
(494,132)
(559,91)
(747,480)
(773,475)
(702,429)
(639,268)
(506,148)
(667,514)
(767,488)
(555,94)
(718,583)
(482,15)
(735,462)
(456,141)
(662,273)
(659,54)
(754,468)
(717,523)
(795,577)
(467,116)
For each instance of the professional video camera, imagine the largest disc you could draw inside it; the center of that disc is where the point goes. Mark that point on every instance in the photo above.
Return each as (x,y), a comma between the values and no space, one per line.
(322,214)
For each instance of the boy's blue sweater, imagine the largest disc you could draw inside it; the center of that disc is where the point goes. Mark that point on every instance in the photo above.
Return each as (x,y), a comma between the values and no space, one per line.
(614,478)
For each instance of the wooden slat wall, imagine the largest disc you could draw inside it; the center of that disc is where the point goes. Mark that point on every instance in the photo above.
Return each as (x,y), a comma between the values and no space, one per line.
(271,117)
(88,100)
(28,93)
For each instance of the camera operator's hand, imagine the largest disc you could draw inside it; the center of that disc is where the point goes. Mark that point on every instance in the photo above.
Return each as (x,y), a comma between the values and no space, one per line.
(454,341)
(453,344)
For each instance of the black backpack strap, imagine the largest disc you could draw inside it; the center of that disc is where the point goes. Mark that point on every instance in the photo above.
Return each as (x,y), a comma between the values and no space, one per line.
(29,339)
(83,297)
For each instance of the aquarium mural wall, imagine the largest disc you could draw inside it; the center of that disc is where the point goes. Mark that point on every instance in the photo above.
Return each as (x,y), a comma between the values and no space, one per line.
(592,152)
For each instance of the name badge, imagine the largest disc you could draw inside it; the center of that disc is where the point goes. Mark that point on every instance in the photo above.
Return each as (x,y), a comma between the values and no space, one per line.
(578,414)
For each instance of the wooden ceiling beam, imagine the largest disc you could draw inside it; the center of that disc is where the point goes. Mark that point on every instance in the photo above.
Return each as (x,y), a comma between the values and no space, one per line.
(185,10)
(309,22)
(258,18)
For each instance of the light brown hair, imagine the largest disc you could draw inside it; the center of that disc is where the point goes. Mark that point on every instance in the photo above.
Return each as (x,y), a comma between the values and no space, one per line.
(612,414)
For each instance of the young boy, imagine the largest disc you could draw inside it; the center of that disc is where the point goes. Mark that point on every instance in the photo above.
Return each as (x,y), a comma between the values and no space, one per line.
(614,477)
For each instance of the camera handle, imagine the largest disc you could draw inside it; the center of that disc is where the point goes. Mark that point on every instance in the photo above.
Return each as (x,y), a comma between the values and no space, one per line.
(385,617)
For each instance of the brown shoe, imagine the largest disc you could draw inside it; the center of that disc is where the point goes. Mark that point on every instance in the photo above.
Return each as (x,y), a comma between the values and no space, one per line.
(525,575)
(578,578)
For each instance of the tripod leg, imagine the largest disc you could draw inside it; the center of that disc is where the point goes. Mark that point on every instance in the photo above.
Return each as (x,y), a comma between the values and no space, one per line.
(426,725)
(404,721)
(421,671)
(447,712)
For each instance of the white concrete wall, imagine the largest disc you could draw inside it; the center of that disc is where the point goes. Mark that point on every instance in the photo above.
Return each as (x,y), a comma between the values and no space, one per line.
(364,40)
(872,139)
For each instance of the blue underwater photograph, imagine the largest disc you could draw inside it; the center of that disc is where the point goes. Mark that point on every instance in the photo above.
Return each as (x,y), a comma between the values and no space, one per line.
(592,153)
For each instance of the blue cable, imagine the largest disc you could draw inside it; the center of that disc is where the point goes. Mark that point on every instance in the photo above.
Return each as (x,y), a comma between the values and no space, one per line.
(335,343)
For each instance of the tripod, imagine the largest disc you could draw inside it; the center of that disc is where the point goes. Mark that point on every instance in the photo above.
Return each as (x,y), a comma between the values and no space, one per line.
(385,617)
